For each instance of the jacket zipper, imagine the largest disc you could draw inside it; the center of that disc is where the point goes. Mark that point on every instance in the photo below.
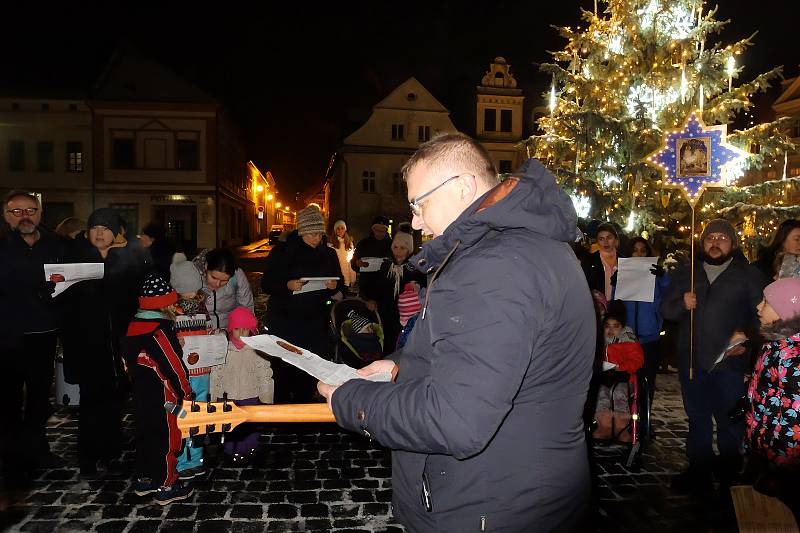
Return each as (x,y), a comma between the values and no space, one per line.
(483,522)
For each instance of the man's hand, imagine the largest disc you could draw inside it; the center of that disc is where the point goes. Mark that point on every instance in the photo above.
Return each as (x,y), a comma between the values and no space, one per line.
(331,284)
(738,336)
(295,284)
(657,270)
(690,301)
(378,367)
(327,392)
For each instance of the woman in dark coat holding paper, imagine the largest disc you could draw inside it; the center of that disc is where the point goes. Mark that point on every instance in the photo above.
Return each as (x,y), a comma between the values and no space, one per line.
(302,319)
(97,313)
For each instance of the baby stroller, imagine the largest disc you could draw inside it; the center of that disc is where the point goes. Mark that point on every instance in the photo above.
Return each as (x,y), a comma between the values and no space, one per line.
(358,332)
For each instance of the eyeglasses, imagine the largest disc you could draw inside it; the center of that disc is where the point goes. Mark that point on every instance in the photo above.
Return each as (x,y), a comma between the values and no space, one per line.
(721,237)
(18,212)
(416,203)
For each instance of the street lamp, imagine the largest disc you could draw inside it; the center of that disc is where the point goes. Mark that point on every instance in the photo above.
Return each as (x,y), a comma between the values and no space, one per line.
(278,205)
(259,187)
(270,197)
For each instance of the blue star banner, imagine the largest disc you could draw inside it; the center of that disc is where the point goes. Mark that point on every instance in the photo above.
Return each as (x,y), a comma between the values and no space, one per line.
(695,157)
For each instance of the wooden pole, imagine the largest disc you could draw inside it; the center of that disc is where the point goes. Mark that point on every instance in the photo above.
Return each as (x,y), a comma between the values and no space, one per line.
(691,312)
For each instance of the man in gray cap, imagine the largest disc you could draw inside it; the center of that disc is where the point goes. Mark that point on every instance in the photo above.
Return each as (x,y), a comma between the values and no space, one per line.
(726,292)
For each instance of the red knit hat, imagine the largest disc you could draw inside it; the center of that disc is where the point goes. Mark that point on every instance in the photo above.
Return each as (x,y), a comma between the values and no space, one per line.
(408,303)
(156,293)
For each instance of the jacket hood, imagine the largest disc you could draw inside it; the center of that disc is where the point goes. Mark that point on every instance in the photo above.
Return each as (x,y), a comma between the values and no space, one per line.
(528,199)
(782,329)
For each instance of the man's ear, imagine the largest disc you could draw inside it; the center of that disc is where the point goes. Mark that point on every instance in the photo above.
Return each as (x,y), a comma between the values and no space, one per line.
(467,186)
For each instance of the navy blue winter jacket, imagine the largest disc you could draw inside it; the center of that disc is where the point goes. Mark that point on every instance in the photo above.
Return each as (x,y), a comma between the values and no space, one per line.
(486,409)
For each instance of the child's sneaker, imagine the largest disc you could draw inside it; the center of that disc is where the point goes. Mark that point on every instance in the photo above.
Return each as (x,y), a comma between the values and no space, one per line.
(144,486)
(175,493)
(191,473)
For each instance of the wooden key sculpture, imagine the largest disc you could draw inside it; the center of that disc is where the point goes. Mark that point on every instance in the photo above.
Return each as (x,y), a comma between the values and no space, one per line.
(202,418)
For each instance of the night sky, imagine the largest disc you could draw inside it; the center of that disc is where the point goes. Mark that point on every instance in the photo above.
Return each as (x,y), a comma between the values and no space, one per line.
(299,77)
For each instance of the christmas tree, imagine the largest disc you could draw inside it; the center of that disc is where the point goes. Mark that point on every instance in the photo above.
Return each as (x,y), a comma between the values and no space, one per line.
(634,71)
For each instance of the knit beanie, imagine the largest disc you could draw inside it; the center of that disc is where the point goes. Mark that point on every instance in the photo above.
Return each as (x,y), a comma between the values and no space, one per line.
(408,304)
(106,217)
(183,275)
(784,296)
(242,317)
(310,220)
(405,240)
(719,225)
(155,231)
(339,223)
(359,323)
(156,293)
(381,221)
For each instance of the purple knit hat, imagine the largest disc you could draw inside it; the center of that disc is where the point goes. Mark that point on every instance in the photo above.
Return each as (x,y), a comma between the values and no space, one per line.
(784,296)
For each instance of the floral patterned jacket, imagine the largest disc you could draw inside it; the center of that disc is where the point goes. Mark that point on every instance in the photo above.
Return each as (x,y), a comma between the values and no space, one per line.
(773,419)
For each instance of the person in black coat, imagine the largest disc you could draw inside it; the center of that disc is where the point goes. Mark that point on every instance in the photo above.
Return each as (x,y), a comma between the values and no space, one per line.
(394,274)
(156,248)
(726,293)
(97,313)
(601,266)
(30,319)
(376,244)
(485,417)
(302,319)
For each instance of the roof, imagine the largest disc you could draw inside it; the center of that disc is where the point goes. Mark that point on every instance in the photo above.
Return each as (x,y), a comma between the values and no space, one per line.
(131,77)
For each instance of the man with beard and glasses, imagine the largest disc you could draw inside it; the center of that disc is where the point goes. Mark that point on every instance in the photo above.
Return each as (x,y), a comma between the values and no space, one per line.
(726,292)
(30,322)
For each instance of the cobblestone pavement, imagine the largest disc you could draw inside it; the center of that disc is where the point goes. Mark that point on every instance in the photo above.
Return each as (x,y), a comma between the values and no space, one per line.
(320,478)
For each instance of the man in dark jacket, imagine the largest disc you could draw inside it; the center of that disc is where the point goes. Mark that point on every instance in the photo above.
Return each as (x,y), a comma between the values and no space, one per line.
(31,331)
(726,293)
(376,244)
(485,415)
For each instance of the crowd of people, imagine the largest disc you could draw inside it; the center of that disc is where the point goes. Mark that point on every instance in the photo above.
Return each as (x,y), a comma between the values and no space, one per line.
(122,335)
(501,333)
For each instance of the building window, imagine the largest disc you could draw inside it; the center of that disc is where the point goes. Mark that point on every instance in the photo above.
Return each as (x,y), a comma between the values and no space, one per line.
(44,156)
(368,181)
(796,129)
(16,156)
(398,132)
(75,156)
(187,154)
(794,172)
(123,154)
(14,106)
(489,119)
(397,183)
(424,133)
(505,120)
(504,167)
(45,107)
(73,107)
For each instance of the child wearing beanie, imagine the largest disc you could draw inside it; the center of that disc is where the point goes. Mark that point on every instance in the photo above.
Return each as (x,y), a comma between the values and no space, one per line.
(772,419)
(395,275)
(246,378)
(152,355)
(191,319)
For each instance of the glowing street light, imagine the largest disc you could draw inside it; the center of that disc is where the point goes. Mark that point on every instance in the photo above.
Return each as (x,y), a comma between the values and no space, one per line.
(270,196)
(278,205)
(259,187)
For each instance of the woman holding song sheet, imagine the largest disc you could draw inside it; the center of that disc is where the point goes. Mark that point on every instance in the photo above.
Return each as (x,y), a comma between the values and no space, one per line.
(297,315)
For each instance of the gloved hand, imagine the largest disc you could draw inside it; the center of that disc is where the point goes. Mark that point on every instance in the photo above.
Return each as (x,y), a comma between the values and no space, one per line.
(657,270)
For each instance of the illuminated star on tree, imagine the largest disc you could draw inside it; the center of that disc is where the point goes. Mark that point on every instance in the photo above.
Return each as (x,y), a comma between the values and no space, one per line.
(695,157)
